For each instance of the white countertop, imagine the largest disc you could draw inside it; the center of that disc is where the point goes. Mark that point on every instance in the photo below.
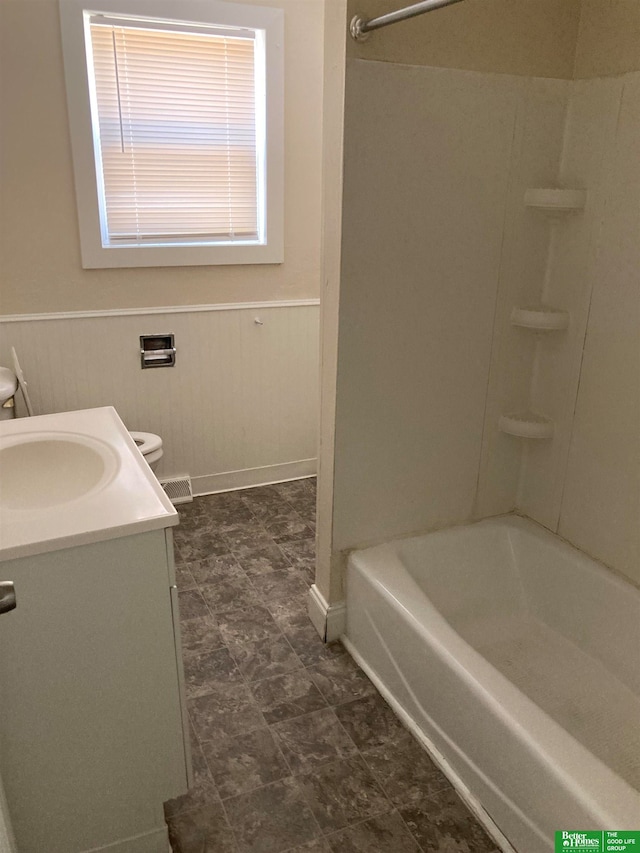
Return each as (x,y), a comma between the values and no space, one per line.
(39,511)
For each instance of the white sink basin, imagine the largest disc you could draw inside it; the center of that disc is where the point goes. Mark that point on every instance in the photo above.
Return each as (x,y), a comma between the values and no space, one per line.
(74,478)
(44,469)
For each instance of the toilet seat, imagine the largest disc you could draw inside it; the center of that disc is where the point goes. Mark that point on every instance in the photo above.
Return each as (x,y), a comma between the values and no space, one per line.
(147,442)
(150,445)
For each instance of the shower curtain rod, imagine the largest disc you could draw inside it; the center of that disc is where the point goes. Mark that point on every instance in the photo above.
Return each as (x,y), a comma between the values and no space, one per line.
(359,28)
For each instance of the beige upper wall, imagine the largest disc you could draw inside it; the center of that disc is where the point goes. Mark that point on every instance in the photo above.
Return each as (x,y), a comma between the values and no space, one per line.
(41,270)
(608,38)
(541,38)
(524,37)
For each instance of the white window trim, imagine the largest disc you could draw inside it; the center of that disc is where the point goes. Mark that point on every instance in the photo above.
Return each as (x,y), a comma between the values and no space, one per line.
(212,12)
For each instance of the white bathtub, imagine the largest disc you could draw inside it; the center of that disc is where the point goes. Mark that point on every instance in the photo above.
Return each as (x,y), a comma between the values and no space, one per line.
(518,658)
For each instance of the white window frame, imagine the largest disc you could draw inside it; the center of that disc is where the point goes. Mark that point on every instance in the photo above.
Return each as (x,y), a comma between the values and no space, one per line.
(270,250)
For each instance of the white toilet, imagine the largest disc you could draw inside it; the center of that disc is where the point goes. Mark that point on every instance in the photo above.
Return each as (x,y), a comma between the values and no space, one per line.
(8,388)
(148,444)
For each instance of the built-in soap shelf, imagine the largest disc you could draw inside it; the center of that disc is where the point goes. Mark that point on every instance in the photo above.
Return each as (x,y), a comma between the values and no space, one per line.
(526,425)
(540,317)
(554,200)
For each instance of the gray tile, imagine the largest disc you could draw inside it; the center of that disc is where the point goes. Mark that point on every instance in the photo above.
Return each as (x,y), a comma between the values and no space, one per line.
(200,635)
(443,824)
(234,518)
(202,792)
(247,625)
(230,593)
(246,762)
(405,771)
(267,507)
(231,710)
(281,583)
(192,605)
(208,571)
(205,671)
(343,793)
(247,538)
(370,721)
(292,489)
(289,612)
(310,573)
(184,578)
(265,658)
(274,511)
(312,740)
(341,680)
(190,516)
(201,545)
(259,493)
(202,830)
(307,502)
(318,845)
(383,834)
(288,527)
(305,506)
(184,531)
(221,507)
(260,560)
(307,644)
(287,696)
(301,552)
(271,819)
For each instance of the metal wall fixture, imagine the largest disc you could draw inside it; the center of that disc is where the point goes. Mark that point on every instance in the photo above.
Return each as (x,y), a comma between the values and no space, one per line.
(360,28)
(157,351)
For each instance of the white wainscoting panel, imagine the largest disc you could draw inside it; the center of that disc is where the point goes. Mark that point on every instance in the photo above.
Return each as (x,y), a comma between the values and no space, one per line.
(239,408)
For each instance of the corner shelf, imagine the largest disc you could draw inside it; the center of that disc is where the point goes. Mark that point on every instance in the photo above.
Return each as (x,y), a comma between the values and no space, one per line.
(540,317)
(555,200)
(526,425)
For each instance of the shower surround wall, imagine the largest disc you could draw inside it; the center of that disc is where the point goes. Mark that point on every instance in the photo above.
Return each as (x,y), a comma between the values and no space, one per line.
(438,247)
(436,164)
(585,484)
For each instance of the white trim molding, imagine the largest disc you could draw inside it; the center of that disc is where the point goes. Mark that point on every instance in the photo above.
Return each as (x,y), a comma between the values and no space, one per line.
(97,249)
(169,309)
(329,620)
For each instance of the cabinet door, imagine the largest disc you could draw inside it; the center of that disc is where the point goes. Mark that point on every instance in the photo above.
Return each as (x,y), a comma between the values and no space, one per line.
(91,730)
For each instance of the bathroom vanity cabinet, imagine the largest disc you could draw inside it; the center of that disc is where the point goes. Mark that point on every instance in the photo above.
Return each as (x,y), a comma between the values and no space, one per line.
(92,718)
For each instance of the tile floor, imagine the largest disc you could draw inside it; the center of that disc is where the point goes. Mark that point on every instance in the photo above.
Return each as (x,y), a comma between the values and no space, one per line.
(293,748)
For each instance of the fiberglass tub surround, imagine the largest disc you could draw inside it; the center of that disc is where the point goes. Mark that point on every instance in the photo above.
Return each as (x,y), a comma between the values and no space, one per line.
(516,656)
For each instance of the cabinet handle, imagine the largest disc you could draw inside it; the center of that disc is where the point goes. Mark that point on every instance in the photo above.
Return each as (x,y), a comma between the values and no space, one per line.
(7,596)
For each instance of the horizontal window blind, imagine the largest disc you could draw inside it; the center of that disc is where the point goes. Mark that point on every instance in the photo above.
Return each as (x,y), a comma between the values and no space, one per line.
(176,113)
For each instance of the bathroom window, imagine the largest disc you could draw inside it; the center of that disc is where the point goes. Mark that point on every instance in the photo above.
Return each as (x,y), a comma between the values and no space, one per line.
(177,131)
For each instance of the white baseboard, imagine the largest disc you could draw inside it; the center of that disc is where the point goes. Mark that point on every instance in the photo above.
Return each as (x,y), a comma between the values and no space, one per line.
(329,620)
(230,480)
(162,309)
